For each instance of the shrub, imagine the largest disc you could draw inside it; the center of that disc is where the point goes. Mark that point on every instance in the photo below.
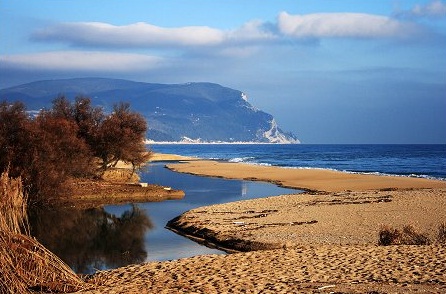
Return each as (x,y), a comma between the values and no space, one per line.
(388,236)
(114,137)
(410,236)
(441,237)
(44,152)
(407,236)
(121,137)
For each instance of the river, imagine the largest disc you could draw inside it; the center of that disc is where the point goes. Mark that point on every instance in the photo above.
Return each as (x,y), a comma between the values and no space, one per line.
(118,235)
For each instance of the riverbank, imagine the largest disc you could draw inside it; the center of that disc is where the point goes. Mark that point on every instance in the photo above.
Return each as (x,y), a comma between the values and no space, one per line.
(91,193)
(121,185)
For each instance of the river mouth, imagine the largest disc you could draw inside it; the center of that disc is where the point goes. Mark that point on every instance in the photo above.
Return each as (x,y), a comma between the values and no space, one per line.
(119,235)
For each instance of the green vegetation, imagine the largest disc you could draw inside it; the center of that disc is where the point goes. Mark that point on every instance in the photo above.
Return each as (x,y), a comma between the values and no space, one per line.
(69,140)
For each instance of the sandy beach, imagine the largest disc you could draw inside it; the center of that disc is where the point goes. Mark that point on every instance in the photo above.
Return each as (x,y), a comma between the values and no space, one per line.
(307,269)
(321,241)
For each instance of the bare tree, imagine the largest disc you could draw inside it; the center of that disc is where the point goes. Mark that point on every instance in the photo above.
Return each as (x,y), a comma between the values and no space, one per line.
(121,137)
(67,141)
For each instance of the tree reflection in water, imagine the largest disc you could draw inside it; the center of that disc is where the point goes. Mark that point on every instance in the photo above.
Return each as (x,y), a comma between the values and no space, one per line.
(92,239)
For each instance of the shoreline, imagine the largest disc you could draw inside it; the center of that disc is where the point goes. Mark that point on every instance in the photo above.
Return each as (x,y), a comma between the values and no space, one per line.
(90,194)
(306,232)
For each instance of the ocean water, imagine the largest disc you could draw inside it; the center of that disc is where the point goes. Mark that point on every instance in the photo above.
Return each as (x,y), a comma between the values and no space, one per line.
(427,161)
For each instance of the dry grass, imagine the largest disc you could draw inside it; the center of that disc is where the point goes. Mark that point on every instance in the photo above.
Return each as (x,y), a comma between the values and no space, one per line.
(12,205)
(120,175)
(408,235)
(25,264)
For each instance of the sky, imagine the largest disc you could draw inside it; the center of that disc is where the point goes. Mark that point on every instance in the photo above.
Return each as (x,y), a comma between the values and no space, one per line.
(330,71)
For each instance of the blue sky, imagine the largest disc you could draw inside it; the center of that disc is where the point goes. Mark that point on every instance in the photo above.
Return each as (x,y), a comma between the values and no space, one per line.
(330,71)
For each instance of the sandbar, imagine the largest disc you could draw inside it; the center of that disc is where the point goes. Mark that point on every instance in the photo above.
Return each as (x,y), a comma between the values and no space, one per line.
(170,157)
(307,179)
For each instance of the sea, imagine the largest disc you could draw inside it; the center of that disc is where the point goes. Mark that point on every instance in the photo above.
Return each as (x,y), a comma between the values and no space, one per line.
(423,161)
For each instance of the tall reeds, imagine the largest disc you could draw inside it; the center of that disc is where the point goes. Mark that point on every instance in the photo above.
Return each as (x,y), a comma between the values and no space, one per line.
(25,264)
(13,217)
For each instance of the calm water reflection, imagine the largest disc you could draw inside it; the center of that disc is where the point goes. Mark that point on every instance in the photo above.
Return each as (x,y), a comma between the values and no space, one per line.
(119,235)
(93,239)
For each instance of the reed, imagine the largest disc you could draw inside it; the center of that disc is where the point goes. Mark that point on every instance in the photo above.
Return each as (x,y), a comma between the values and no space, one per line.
(25,264)
(13,216)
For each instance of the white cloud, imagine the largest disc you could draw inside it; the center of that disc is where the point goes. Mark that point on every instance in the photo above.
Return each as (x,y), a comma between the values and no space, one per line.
(134,35)
(351,25)
(252,33)
(81,61)
(146,35)
(434,8)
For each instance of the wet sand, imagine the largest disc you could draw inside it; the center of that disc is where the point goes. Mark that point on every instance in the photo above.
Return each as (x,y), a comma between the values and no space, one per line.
(324,241)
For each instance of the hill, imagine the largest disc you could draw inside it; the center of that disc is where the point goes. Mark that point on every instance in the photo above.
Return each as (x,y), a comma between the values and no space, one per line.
(191,112)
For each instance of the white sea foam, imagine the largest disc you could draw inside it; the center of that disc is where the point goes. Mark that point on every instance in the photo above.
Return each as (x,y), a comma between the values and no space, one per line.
(353,172)
(241,159)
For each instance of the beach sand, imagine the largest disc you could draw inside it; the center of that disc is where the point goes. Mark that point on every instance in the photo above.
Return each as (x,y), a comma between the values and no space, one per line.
(170,157)
(306,269)
(323,241)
